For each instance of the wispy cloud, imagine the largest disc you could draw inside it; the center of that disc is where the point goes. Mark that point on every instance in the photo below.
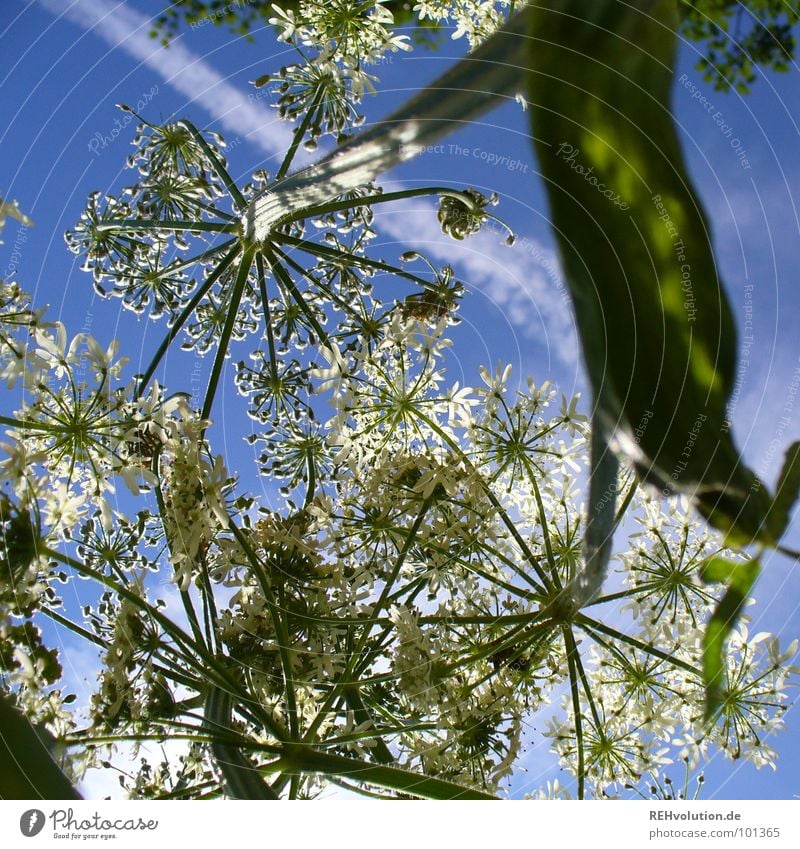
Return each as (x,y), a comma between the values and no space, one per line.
(123,28)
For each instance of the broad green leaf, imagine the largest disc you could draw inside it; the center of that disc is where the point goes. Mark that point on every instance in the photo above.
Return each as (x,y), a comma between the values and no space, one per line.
(242,779)
(787,490)
(27,767)
(657,334)
(740,578)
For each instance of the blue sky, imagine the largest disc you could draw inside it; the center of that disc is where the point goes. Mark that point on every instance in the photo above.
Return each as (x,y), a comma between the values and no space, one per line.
(68,62)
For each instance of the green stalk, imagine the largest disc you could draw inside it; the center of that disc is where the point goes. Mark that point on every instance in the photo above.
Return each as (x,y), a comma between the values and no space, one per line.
(576,709)
(242,779)
(192,651)
(304,759)
(236,196)
(280,627)
(589,625)
(177,326)
(546,587)
(284,278)
(227,330)
(297,137)
(336,257)
(383,197)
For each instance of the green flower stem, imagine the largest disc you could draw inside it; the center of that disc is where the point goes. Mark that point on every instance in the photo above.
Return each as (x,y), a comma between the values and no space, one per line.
(281,630)
(74,627)
(284,278)
(199,259)
(28,424)
(262,286)
(376,734)
(222,172)
(333,297)
(213,671)
(185,315)
(227,330)
(626,502)
(603,599)
(360,791)
(348,673)
(548,547)
(385,197)
(242,779)
(337,258)
(299,133)
(590,625)
(209,610)
(192,790)
(361,713)
(573,648)
(546,587)
(481,81)
(576,709)
(304,759)
(512,639)
(197,735)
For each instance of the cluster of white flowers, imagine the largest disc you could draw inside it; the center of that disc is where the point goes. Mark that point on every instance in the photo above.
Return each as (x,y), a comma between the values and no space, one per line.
(475,19)
(405,603)
(347,35)
(408,612)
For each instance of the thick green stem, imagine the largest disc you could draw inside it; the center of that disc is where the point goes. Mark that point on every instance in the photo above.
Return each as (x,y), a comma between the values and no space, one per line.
(483,80)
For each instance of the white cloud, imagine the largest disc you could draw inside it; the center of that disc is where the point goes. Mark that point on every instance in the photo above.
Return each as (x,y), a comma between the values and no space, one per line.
(125,29)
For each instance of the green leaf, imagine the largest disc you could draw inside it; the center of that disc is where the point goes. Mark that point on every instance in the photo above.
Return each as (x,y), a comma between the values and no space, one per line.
(656,329)
(740,578)
(786,492)
(27,767)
